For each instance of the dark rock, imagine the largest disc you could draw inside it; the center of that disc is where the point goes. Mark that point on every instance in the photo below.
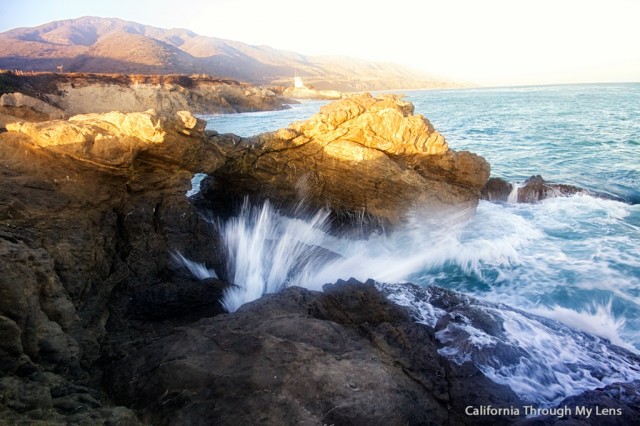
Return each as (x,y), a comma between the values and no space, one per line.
(182,297)
(536,189)
(615,405)
(533,190)
(85,239)
(345,356)
(496,189)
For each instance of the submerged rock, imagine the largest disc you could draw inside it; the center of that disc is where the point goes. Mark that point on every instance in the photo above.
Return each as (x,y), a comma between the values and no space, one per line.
(533,190)
(362,157)
(536,189)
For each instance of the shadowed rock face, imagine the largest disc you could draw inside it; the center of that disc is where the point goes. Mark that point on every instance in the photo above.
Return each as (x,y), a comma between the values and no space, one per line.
(90,210)
(363,156)
(345,356)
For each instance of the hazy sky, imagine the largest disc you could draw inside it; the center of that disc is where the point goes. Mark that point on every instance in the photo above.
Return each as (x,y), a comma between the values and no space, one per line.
(493,42)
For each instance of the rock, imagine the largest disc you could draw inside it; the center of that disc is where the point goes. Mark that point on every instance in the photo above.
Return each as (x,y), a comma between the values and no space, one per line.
(20,100)
(533,190)
(46,398)
(617,404)
(37,316)
(63,95)
(496,189)
(536,189)
(345,356)
(97,320)
(85,239)
(363,157)
(115,140)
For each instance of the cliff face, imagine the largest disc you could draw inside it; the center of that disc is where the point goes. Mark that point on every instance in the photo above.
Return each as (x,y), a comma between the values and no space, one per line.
(49,96)
(203,98)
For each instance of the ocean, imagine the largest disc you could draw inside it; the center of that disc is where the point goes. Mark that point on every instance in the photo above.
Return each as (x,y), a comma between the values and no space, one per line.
(573,259)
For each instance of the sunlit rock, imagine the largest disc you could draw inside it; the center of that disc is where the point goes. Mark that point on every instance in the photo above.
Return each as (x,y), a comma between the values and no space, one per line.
(365,156)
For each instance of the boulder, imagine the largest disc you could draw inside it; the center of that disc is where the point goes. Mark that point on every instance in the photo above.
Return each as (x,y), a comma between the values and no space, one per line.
(362,157)
(536,189)
(343,356)
(496,189)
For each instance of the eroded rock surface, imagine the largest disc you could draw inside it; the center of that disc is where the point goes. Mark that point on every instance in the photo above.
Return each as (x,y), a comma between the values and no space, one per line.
(344,356)
(361,157)
(90,211)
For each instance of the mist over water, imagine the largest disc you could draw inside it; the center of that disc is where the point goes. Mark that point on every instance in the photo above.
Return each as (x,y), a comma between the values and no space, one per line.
(571,259)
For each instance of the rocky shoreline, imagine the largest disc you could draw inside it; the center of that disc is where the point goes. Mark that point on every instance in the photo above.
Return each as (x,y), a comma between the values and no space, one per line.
(49,96)
(100,325)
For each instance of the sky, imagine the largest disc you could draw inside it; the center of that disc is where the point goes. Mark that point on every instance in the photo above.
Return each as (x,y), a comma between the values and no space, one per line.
(487,42)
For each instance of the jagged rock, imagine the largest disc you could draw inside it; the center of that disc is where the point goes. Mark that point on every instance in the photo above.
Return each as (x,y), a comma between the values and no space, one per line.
(617,404)
(345,356)
(85,238)
(116,139)
(536,189)
(496,189)
(362,157)
(533,190)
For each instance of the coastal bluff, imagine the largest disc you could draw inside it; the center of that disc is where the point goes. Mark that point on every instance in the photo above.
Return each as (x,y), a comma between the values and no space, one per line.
(48,96)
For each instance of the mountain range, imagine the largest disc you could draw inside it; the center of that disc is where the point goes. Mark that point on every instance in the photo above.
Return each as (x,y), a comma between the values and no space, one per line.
(110,45)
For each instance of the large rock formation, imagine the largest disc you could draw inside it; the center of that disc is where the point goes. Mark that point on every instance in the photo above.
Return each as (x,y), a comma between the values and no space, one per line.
(344,356)
(90,210)
(361,157)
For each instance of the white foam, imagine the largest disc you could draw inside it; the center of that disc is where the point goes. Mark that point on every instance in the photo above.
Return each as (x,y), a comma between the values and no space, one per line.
(199,270)
(542,361)
(263,249)
(196,180)
(517,254)
(599,320)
